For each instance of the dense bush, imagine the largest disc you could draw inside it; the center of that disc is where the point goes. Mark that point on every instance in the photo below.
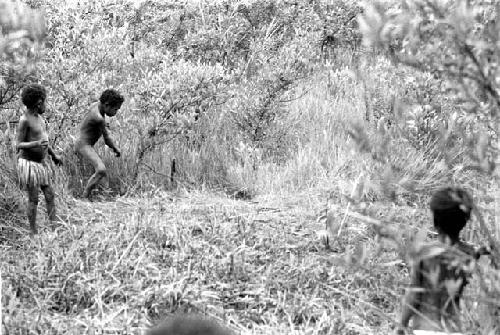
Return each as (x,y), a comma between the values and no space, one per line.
(179,65)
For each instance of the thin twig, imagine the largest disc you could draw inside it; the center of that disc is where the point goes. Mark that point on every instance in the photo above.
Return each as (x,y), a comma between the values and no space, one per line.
(125,252)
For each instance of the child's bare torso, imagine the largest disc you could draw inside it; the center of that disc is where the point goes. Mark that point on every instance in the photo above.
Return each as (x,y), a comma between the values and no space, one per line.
(36,130)
(91,127)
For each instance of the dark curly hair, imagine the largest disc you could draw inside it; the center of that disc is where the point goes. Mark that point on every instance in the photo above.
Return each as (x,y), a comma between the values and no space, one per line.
(111,97)
(31,94)
(452,208)
(190,325)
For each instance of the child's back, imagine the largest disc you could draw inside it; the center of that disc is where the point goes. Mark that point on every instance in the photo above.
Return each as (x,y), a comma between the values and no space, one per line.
(441,270)
(439,275)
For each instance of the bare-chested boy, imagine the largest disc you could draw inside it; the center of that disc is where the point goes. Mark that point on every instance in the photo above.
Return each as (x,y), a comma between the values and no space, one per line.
(92,128)
(441,270)
(33,147)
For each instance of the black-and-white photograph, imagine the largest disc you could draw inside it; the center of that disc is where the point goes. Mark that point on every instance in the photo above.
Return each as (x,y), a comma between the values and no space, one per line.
(239,167)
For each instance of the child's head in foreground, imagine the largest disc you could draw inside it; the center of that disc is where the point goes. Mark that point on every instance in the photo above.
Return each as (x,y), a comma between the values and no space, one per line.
(189,325)
(451,208)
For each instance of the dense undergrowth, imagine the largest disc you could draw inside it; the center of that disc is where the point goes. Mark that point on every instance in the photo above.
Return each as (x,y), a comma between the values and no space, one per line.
(272,102)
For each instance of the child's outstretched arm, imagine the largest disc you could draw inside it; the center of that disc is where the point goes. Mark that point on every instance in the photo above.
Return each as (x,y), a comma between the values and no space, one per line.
(107,139)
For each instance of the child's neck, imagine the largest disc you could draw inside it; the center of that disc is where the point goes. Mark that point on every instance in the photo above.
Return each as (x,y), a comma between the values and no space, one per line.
(100,108)
(447,239)
(33,112)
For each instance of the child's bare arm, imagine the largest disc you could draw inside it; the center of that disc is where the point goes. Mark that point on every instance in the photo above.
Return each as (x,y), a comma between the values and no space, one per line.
(21,137)
(474,251)
(107,139)
(55,157)
(410,302)
(51,151)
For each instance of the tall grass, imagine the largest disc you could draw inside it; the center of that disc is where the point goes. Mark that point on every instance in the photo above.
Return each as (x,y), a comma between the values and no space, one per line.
(10,196)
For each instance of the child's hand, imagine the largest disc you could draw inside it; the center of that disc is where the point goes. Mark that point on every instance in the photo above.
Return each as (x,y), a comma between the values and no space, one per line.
(42,143)
(57,159)
(483,251)
(117,153)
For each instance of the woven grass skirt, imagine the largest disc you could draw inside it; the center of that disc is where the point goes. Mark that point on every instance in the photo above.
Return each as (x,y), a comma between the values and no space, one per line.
(32,174)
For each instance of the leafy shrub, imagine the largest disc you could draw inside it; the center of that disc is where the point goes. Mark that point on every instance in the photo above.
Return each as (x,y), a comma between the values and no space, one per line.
(182,67)
(339,25)
(463,54)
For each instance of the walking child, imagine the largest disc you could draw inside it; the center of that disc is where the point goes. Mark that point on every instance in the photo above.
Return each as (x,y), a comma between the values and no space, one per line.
(441,270)
(33,147)
(92,128)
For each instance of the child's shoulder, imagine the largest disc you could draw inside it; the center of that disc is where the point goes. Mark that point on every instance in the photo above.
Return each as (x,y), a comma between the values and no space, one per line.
(467,248)
(453,261)
(433,253)
(94,115)
(25,119)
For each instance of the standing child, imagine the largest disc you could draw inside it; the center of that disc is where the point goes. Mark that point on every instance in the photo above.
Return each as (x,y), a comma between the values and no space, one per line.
(92,128)
(33,147)
(440,271)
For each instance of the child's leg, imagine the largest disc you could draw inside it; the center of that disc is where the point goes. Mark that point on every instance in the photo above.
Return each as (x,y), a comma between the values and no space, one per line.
(48,192)
(32,207)
(100,169)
